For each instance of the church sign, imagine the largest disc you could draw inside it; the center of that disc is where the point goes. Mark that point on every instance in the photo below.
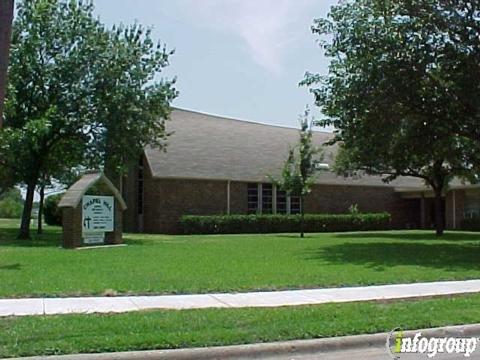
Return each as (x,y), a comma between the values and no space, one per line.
(89,219)
(98,213)
(97,218)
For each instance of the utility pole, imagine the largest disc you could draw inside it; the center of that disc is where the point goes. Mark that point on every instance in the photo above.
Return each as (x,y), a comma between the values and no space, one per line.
(6,19)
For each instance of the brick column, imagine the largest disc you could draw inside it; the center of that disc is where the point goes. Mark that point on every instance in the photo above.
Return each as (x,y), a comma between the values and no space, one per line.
(454,204)
(72,227)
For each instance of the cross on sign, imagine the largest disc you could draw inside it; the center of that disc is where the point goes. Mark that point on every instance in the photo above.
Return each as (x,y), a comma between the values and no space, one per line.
(86,222)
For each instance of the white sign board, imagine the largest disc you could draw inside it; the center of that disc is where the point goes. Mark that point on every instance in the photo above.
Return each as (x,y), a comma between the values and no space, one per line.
(97,214)
(93,238)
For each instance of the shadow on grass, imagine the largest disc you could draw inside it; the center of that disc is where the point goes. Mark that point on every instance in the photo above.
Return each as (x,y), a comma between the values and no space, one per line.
(137,241)
(50,238)
(293,236)
(16,266)
(382,255)
(391,235)
(406,235)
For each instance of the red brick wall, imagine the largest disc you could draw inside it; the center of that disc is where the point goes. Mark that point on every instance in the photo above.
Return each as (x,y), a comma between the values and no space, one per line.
(336,199)
(72,227)
(166,200)
(238,198)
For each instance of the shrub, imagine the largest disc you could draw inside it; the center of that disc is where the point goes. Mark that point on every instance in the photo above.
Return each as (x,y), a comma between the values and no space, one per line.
(353,209)
(10,209)
(472,224)
(11,204)
(51,212)
(238,224)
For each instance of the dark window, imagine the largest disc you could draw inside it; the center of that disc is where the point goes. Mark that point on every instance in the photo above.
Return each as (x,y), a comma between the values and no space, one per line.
(294,204)
(281,202)
(267,198)
(140,189)
(252,198)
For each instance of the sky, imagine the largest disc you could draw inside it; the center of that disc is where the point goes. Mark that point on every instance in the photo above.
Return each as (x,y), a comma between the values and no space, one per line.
(235,58)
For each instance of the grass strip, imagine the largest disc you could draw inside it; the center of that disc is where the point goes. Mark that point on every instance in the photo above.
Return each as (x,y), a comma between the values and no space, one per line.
(66,334)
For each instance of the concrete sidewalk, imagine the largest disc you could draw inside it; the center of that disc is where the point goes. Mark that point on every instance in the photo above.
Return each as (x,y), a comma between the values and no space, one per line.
(86,305)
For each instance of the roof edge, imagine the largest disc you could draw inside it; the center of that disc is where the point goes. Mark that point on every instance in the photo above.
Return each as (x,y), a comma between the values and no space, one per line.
(75,193)
(327,183)
(246,121)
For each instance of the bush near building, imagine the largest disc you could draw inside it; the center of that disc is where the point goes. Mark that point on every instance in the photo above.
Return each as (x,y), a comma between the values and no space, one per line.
(238,224)
(11,204)
(52,214)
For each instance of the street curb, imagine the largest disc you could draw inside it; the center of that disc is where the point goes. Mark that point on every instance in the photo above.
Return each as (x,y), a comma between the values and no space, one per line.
(255,351)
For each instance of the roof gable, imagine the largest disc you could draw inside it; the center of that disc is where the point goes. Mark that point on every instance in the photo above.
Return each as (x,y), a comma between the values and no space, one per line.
(75,193)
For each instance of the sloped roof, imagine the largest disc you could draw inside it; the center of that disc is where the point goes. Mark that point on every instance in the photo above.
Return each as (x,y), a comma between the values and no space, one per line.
(216,148)
(74,194)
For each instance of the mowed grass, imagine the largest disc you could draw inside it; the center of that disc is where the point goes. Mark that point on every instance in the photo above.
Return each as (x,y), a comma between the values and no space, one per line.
(46,335)
(199,264)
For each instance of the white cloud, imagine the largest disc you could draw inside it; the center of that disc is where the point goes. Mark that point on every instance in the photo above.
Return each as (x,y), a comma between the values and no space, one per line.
(264,25)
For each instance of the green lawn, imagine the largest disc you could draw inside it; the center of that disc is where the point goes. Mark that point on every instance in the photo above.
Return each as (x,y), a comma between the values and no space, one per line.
(198,264)
(192,328)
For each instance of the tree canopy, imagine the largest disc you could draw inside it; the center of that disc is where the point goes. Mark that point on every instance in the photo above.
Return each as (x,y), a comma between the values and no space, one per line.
(79,94)
(403,89)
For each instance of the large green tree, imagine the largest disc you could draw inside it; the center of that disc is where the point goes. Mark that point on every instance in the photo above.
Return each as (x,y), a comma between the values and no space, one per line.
(129,101)
(74,87)
(403,89)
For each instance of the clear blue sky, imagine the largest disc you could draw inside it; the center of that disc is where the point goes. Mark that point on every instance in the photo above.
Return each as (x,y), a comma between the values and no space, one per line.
(238,58)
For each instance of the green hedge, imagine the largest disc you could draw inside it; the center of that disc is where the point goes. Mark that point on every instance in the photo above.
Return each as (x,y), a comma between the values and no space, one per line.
(244,224)
(52,214)
(472,224)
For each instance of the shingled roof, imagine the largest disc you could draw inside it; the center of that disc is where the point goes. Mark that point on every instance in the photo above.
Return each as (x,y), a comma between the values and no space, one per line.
(216,148)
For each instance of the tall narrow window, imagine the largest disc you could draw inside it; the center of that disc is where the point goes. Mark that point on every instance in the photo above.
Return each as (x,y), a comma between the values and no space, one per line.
(281,202)
(294,204)
(252,198)
(140,188)
(267,198)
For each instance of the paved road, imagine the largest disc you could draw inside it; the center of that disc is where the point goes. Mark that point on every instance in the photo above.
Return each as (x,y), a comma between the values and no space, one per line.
(370,354)
(84,305)
(367,353)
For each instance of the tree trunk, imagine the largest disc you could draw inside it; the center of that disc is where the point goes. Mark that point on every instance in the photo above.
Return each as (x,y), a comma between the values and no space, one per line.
(40,210)
(27,213)
(6,18)
(439,215)
(302,218)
